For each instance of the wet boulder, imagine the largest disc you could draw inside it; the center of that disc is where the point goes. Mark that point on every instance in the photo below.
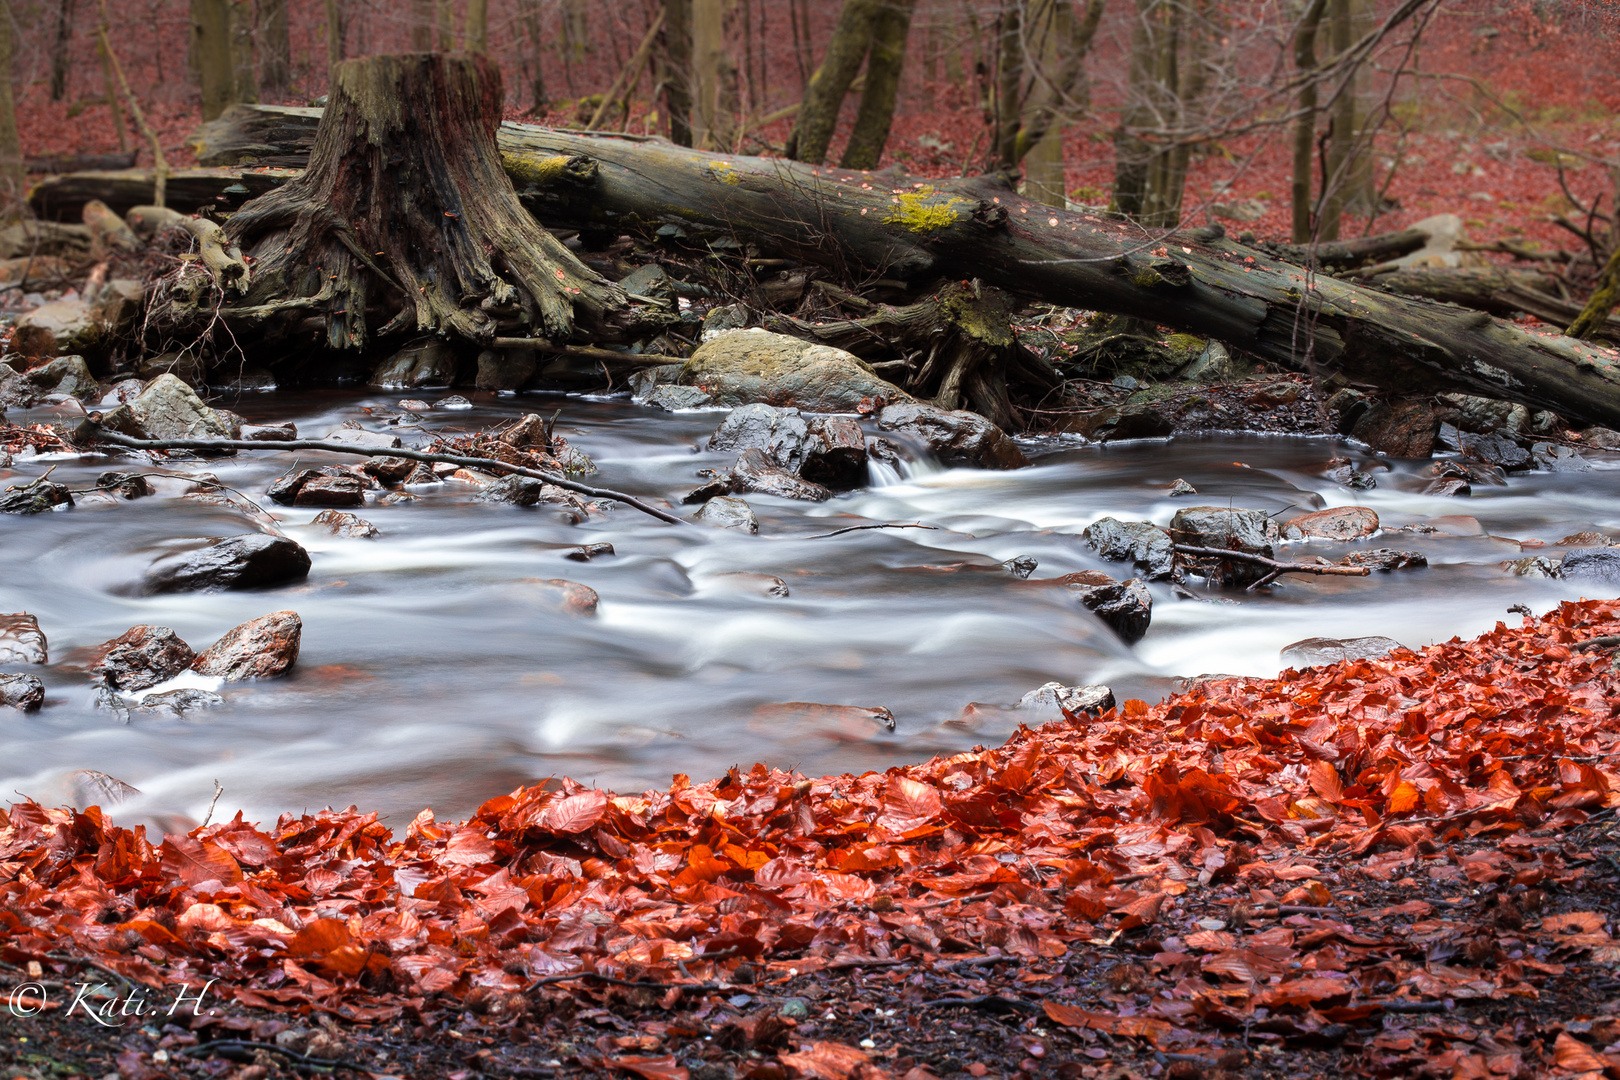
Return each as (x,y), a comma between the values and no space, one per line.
(1556,458)
(726,512)
(60,328)
(1021,566)
(249,561)
(345,525)
(1404,428)
(66,375)
(126,485)
(1053,698)
(754,473)
(956,437)
(1139,542)
(21,640)
(1312,652)
(34,497)
(672,398)
(1601,564)
(513,490)
(16,392)
(140,657)
(835,453)
(1386,559)
(1126,606)
(1249,531)
(347,490)
(258,649)
(740,367)
(169,409)
(1496,449)
(778,434)
(269,432)
(362,439)
(1133,420)
(587,552)
(430,363)
(1533,566)
(23,692)
(179,702)
(389,470)
(1338,523)
(568,597)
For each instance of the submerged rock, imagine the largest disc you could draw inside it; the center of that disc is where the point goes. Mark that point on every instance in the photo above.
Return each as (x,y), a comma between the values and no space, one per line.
(569,597)
(843,722)
(363,439)
(269,432)
(21,640)
(140,657)
(1139,542)
(345,525)
(1126,606)
(238,562)
(1534,566)
(1386,559)
(179,702)
(1338,523)
(754,473)
(1249,531)
(258,649)
(23,692)
(726,512)
(34,498)
(1312,652)
(431,363)
(740,367)
(1592,564)
(955,436)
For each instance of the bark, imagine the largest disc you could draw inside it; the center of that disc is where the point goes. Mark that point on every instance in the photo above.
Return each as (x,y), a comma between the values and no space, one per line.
(275,36)
(11,159)
(1305,122)
(404,221)
(884,61)
(678,69)
(824,97)
(534,63)
(1595,315)
(1341,130)
(61,49)
(113,107)
(978,228)
(1058,91)
(422,25)
(1499,290)
(714,78)
(334,36)
(245,85)
(477,34)
(211,43)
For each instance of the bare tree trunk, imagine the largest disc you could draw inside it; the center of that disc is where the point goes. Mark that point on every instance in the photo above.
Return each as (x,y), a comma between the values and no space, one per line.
(576,35)
(423,21)
(62,49)
(529,12)
(677,73)
(824,96)
(890,28)
(1305,123)
(477,35)
(275,40)
(334,36)
(1341,130)
(1133,155)
(11,158)
(119,127)
(246,86)
(211,37)
(1058,89)
(714,77)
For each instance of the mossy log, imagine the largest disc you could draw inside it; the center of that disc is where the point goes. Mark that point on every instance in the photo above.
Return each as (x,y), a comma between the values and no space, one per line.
(889,224)
(405,220)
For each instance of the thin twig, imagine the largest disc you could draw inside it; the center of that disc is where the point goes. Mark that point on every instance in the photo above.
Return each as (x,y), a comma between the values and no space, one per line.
(1272,564)
(858,528)
(218,791)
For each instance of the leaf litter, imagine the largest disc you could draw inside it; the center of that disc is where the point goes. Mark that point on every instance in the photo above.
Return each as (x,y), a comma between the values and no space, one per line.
(1381,863)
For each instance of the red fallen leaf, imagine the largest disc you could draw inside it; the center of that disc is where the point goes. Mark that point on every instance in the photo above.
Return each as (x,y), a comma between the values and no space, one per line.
(652,1068)
(1303,993)
(827,1061)
(195,862)
(908,804)
(574,813)
(1144,1027)
(1325,781)
(1143,911)
(319,938)
(1573,922)
(1572,1054)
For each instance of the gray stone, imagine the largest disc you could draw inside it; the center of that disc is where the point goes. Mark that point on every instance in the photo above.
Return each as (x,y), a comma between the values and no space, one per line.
(779,434)
(238,562)
(1556,458)
(1249,531)
(21,640)
(245,380)
(1053,698)
(66,375)
(1386,559)
(1316,651)
(181,701)
(430,363)
(1021,566)
(184,365)
(1144,544)
(745,366)
(649,281)
(1180,488)
(955,437)
(60,328)
(23,692)
(673,398)
(724,319)
(169,409)
(505,369)
(368,440)
(512,490)
(754,473)
(140,657)
(1134,420)
(1214,365)
(1601,438)
(16,392)
(643,380)
(286,432)
(1337,523)
(1498,450)
(1592,564)
(1534,566)
(1126,606)
(345,525)
(726,512)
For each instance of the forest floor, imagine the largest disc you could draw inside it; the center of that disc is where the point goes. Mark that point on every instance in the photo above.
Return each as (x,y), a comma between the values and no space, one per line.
(1393,867)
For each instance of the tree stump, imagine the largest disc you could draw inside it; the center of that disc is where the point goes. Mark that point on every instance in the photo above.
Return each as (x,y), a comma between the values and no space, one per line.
(405,220)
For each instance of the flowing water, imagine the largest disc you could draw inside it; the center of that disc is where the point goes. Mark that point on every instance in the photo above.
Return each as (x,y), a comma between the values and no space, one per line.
(433,672)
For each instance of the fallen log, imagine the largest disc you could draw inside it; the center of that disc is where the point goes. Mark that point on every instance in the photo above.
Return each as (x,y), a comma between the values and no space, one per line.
(894,226)
(62,197)
(1499,290)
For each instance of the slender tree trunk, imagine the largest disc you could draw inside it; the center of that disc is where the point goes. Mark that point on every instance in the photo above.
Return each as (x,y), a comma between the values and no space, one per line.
(246,86)
(1133,155)
(529,11)
(677,75)
(890,28)
(824,96)
(423,22)
(1011,63)
(275,40)
(1059,89)
(1341,130)
(11,159)
(119,127)
(334,36)
(211,35)
(714,77)
(62,50)
(477,35)
(1305,123)
(444,19)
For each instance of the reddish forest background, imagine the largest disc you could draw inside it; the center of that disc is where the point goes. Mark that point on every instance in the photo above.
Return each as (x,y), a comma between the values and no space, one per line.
(1493,96)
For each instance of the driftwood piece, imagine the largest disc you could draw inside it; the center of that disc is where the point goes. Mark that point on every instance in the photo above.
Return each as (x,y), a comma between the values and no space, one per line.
(1277,568)
(891,225)
(89,432)
(221,258)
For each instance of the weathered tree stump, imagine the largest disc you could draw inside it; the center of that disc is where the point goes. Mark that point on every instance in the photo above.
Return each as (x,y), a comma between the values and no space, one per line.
(406,221)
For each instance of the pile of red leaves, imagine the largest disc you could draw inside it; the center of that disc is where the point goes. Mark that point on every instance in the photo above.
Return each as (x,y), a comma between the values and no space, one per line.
(1287,807)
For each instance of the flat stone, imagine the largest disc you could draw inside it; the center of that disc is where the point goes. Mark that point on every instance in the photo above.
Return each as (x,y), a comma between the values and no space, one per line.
(1601,438)
(389,470)
(1338,523)
(249,561)
(22,692)
(1556,458)
(269,432)
(258,649)
(366,440)
(740,367)
(1312,652)
(956,437)
(1054,697)
(1449,487)
(140,657)
(587,552)
(21,640)
(331,491)
(345,525)
(1386,559)
(726,512)
(180,702)
(675,398)
(1495,449)
(569,597)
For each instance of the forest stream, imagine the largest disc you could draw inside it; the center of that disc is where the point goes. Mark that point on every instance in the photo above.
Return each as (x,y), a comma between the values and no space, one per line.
(433,672)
